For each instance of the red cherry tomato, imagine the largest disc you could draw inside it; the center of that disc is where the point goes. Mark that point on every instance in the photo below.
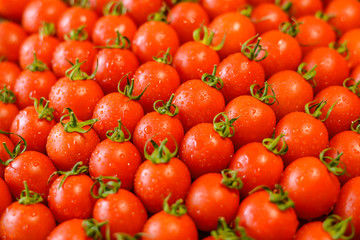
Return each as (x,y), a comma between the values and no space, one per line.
(139,11)
(9,73)
(6,198)
(69,229)
(8,109)
(218,7)
(12,9)
(351,38)
(11,37)
(300,8)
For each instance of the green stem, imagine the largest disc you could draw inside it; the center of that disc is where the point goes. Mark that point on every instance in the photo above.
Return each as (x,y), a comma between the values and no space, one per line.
(28,197)
(73,125)
(357,124)
(317,109)
(80,3)
(333,164)
(177,209)
(341,48)
(166,59)
(355,88)
(224,232)
(74,73)
(43,111)
(19,148)
(36,65)
(262,95)
(161,154)
(271,144)
(129,88)
(308,75)
(224,127)
(167,108)
(47,29)
(161,15)
(325,17)
(110,187)
(92,228)
(252,51)
(78,34)
(212,80)
(121,42)
(247,10)
(337,227)
(118,135)
(7,96)
(114,8)
(289,28)
(76,170)
(208,37)
(231,180)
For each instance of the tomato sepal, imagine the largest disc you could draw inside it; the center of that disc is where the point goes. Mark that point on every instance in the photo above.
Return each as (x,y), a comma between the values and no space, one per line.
(317,111)
(231,180)
(208,38)
(224,127)
(111,186)
(78,34)
(118,135)
(177,209)
(76,170)
(308,75)
(28,197)
(212,80)
(166,108)
(47,29)
(7,96)
(252,51)
(332,164)
(36,65)
(19,148)
(73,125)
(114,8)
(271,144)
(262,95)
(92,228)
(337,227)
(355,88)
(161,154)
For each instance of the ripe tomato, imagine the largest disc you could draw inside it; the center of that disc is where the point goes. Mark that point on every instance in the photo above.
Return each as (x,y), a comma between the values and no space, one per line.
(331,67)
(292,92)
(34,82)
(27,218)
(12,9)
(217,7)
(211,196)
(33,167)
(115,106)
(39,11)
(311,185)
(124,212)
(11,37)
(172,222)
(185,18)
(257,120)
(199,100)
(333,227)
(159,125)
(262,214)
(139,11)
(112,22)
(71,141)
(159,176)
(284,52)
(355,74)
(300,130)
(207,147)
(117,157)
(74,228)
(8,109)
(69,195)
(348,203)
(314,32)
(9,73)
(347,142)
(76,91)
(268,16)
(346,14)
(34,123)
(43,44)
(258,164)
(6,198)
(351,38)
(153,37)
(75,48)
(300,8)
(4,155)
(195,58)
(76,17)
(237,28)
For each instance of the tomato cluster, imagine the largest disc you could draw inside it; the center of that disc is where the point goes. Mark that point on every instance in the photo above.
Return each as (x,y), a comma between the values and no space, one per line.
(167,119)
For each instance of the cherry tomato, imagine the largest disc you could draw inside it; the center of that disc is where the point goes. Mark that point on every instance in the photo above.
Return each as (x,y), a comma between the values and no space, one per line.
(237,28)
(139,11)
(185,18)
(331,67)
(12,9)
(256,120)
(300,8)
(11,37)
(351,38)
(39,11)
(72,228)
(153,37)
(8,109)
(9,73)
(218,7)
(6,198)
(312,187)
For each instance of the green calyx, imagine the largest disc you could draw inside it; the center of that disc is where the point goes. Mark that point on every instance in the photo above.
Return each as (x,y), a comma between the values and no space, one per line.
(317,109)
(129,88)
(73,125)
(161,154)
(74,73)
(167,108)
(118,135)
(224,232)
(289,28)
(180,1)
(230,179)
(177,209)
(355,126)
(114,8)
(325,17)
(341,48)
(78,34)
(80,3)
(224,127)
(355,88)
(19,148)
(28,197)
(208,37)
(111,186)
(120,42)
(159,16)
(262,95)
(125,236)
(7,96)
(36,65)
(93,228)
(333,164)
(271,144)
(212,80)
(166,59)
(47,29)
(252,51)
(308,75)
(337,227)
(278,196)
(76,170)
(43,110)
(247,10)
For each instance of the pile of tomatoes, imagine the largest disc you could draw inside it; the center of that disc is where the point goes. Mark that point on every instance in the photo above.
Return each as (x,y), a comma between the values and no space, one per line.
(179,120)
